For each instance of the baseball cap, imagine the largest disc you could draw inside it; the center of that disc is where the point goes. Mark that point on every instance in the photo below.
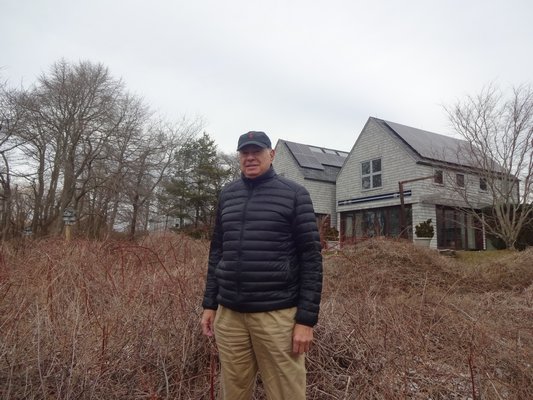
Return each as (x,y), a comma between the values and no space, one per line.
(254,137)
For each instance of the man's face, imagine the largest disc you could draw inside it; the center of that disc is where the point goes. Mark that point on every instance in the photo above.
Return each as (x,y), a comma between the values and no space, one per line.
(255,160)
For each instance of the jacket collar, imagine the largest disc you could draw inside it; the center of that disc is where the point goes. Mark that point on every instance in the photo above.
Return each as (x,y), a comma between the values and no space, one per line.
(260,179)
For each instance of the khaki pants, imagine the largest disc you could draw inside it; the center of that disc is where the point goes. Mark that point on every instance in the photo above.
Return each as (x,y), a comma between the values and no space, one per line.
(248,342)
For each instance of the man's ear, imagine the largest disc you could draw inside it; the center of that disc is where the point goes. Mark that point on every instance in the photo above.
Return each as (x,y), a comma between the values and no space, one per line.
(272,154)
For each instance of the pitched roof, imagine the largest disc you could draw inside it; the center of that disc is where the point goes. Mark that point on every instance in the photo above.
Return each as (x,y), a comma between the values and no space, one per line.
(431,146)
(318,163)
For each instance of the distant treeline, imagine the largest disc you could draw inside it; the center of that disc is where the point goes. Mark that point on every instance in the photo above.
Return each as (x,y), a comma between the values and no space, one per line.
(76,140)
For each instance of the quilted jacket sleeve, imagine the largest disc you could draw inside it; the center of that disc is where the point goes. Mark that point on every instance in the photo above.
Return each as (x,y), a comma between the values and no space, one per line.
(308,246)
(215,255)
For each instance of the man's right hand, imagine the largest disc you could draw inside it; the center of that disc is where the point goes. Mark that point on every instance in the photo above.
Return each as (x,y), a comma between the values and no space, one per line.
(208,322)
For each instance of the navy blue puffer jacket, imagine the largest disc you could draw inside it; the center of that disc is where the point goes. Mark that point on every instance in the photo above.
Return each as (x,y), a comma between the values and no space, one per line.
(265,250)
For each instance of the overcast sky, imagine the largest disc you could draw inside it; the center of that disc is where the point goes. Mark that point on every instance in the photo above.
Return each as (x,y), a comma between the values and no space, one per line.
(301,70)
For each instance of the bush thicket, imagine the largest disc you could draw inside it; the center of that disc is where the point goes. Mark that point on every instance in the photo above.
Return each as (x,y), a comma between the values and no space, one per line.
(117,320)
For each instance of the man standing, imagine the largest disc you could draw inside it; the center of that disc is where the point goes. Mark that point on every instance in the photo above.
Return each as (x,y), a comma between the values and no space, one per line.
(264,278)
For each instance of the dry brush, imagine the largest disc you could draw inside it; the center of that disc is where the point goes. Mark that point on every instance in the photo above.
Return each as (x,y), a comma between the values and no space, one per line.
(117,320)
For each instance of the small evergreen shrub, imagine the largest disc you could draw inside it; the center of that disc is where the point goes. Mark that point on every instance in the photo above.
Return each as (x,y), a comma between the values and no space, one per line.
(424,229)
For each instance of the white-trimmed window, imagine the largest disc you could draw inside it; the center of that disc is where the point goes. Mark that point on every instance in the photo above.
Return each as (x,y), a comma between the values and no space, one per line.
(438,177)
(460,180)
(371,174)
(483,183)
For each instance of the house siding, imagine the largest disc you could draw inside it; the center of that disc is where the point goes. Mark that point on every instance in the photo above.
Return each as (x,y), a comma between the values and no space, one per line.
(322,193)
(396,165)
(285,165)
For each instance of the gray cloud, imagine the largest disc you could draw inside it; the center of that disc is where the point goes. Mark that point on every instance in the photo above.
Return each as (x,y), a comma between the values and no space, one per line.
(303,71)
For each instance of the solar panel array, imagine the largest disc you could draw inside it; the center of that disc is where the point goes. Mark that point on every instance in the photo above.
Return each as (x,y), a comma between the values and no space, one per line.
(313,159)
(433,145)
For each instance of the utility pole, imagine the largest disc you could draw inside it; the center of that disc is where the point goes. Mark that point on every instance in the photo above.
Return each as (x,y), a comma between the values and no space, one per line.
(403,230)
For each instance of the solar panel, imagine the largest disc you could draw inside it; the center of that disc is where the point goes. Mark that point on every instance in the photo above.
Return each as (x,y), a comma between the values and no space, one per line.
(330,159)
(433,145)
(315,157)
(308,161)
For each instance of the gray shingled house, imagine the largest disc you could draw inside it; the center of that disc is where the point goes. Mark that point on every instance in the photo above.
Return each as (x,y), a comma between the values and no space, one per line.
(430,166)
(360,191)
(314,167)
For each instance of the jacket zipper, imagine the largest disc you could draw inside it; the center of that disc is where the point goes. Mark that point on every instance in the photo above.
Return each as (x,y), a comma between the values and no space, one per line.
(243,220)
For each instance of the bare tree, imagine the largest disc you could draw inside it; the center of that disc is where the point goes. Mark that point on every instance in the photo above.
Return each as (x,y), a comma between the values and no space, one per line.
(88,145)
(100,191)
(150,164)
(230,161)
(70,116)
(10,117)
(5,175)
(498,130)
(77,103)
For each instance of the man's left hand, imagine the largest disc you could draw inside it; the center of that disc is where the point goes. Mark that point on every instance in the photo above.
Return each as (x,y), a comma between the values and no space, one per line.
(302,336)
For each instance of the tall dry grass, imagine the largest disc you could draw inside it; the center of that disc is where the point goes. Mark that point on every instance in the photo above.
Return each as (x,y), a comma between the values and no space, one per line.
(408,323)
(111,320)
(116,320)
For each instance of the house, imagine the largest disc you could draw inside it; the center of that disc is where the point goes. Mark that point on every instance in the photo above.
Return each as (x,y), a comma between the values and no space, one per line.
(160,223)
(390,162)
(314,167)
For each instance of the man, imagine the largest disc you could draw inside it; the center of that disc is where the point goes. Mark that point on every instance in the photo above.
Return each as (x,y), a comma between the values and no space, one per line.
(264,278)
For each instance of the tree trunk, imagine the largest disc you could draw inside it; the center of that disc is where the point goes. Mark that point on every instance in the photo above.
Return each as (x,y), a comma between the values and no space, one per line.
(134,215)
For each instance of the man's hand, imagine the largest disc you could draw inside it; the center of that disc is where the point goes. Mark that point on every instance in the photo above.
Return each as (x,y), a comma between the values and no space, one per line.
(208,322)
(302,336)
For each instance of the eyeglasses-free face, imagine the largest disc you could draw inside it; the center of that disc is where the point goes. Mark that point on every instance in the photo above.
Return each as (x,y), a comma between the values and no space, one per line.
(255,160)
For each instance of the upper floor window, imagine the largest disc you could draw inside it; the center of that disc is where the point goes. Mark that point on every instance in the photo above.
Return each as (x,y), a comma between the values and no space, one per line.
(371,174)
(438,177)
(482,183)
(460,180)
